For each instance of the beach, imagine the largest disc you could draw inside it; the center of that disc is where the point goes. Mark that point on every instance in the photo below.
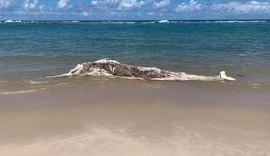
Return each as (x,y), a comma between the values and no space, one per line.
(142,88)
(135,117)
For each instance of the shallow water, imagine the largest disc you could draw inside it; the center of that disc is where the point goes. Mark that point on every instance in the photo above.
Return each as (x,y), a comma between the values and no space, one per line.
(30,52)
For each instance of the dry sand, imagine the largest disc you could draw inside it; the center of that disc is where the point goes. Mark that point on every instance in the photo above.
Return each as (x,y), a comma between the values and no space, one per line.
(136,118)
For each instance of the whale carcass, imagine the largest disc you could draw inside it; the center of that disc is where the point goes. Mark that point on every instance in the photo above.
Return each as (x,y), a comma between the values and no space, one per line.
(109,67)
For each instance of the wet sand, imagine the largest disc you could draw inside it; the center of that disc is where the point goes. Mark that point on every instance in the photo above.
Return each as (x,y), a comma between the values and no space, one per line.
(136,118)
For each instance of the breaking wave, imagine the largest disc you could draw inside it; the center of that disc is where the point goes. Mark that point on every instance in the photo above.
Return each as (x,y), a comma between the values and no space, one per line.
(130,22)
(113,68)
(18,92)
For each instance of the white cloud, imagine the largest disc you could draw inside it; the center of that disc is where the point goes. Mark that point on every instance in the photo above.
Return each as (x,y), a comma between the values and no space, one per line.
(192,6)
(233,7)
(243,8)
(5,3)
(120,5)
(105,2)
(150,13)
(136,8)
(130,4)
(85,13)
(62,4)
(95,2)
(32,5)
(161,5)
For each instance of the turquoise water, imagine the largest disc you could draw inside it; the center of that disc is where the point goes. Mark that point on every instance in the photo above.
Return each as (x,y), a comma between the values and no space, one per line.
(29,52)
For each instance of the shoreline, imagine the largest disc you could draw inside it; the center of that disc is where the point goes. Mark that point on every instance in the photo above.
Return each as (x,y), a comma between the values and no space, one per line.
(54,82)
(136,118)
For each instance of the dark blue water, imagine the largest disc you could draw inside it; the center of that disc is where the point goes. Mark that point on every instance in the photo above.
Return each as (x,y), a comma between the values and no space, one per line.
(31,51)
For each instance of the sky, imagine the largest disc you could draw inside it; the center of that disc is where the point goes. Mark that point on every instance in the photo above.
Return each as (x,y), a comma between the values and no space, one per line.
(133,9)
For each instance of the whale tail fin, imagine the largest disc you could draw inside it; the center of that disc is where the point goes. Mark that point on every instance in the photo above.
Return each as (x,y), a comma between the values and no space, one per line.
(223,76)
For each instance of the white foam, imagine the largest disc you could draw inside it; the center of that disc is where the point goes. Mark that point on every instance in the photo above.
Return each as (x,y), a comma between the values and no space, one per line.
(150,69)
(237,21)
(106,60)
(17,92)
(36,82)
(11,21)
(8,21)
(242,54)
(163,21)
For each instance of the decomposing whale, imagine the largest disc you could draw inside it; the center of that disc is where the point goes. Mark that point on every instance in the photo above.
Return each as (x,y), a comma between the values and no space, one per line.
(109,67)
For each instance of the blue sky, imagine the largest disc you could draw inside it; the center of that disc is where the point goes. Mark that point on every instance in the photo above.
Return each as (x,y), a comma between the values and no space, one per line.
(134,9)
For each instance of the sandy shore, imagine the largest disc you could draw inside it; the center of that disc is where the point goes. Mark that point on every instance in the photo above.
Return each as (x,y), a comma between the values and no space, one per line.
(136,118)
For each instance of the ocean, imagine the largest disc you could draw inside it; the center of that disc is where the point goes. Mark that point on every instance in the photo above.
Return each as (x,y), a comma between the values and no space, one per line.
(46,109)
(32,50)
